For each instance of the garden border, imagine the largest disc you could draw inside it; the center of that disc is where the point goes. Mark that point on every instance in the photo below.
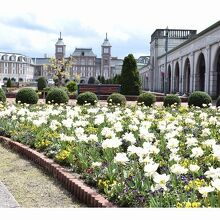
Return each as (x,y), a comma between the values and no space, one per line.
(74,185)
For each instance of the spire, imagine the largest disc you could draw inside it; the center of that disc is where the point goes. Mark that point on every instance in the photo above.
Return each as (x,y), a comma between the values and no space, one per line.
(106,38)
(60,36)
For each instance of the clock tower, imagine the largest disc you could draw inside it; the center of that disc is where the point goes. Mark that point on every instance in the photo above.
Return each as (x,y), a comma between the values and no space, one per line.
(60,49)
(106,59)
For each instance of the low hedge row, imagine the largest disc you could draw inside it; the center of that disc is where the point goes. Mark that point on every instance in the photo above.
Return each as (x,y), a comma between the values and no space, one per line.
(59,95)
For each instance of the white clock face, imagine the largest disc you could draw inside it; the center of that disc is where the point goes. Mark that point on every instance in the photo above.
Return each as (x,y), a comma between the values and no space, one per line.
(105,50)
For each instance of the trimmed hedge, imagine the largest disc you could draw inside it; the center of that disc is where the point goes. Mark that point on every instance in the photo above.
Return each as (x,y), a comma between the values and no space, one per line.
(171,100)
(117,98)
(87,97)
(2,96)
(27,95)
(147,98)
(218,102)
(71,86)
(57,95)
(198,98)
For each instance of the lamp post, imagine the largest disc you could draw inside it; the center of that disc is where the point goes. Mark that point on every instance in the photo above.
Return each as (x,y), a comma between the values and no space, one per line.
(166,49)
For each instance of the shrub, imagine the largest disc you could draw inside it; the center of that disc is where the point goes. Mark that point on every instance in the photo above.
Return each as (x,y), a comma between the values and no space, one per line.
(218,102)
(198,98)
(171,99)
(57,95)
(2,96)
(87,97)
(9,84)
(27,95)
(91,80)
(147,98)
(116,98)
(41,83)
(71,86)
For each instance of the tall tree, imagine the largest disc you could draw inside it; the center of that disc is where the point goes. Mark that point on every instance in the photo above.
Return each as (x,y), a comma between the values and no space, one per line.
(130,81)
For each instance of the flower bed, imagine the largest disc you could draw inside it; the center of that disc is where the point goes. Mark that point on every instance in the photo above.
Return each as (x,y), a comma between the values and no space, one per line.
(136,156)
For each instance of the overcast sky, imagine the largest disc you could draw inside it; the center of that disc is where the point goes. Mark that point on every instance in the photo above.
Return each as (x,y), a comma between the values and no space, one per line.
(32,27)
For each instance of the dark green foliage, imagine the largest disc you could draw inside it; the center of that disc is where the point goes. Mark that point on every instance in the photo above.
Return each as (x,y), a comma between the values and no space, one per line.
(198,98)
(147,98)
(116,98)
(130,82)
(171,99)
(71,86)
(41,83)
(27,95)
(218,102)
(102,80)
(57,95)
(87,97)
(9,84)
(2,96)
(117,79)
(91,80)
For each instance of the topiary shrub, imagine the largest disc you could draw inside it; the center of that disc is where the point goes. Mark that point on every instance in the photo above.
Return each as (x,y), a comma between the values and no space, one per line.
(91,80)
(87,97)
(198,98)
(71,86)
(9,84)
(116,98)
(57,95)
(218,102)
(27,95)
(147,98)
(41,83)
(2,96)
(171,99)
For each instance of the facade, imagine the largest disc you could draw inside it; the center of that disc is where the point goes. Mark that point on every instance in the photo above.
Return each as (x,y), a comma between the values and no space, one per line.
(17,67)
(192,61)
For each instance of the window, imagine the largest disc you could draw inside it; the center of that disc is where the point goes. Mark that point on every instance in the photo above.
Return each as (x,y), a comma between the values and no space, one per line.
(59,49)
(83,53)
(105,50)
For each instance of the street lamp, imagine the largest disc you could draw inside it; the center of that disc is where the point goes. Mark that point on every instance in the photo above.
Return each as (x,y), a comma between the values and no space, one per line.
(166,49)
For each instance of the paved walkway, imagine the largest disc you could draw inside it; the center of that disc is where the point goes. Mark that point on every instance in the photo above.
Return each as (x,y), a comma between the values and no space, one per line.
(7,200)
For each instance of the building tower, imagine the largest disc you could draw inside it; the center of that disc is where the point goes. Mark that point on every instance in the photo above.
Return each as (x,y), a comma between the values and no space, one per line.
(60,48)
(106,59)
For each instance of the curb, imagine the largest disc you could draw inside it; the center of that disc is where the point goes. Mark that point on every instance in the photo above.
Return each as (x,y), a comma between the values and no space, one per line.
(7,200)
(74,185)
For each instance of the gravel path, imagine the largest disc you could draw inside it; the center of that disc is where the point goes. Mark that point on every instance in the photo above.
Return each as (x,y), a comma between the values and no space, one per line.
(30,186)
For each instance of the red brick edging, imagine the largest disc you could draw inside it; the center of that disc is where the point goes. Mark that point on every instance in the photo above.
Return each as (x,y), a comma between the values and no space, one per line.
(75,186)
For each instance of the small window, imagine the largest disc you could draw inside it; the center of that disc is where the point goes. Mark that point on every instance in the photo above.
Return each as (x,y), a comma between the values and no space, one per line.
(83,53)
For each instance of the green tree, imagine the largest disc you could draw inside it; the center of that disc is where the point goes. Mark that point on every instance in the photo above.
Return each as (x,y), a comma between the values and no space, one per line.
(41,83)
(130,81)
(91,80)
(102,80)
(9,84)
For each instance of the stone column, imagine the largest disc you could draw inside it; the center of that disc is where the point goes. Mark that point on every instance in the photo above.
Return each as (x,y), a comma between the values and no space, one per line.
(192,75)
(181,75)
(207,68)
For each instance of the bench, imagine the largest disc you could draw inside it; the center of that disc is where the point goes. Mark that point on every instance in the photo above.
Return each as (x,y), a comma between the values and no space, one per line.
(99,89)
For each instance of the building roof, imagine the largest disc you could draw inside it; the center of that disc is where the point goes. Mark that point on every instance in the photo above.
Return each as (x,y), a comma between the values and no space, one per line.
(106,42)
(60,41)
(41,61)
(87,52)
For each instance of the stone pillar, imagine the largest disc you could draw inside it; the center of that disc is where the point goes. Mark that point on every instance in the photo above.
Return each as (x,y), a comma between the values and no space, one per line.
(191,60)
(213,83)
(181,75)
(207,68)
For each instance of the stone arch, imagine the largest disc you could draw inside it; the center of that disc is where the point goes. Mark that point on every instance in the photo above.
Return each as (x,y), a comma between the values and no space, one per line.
(176,77)
(186,76)
(169,79)
(200,73)
(216,74)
